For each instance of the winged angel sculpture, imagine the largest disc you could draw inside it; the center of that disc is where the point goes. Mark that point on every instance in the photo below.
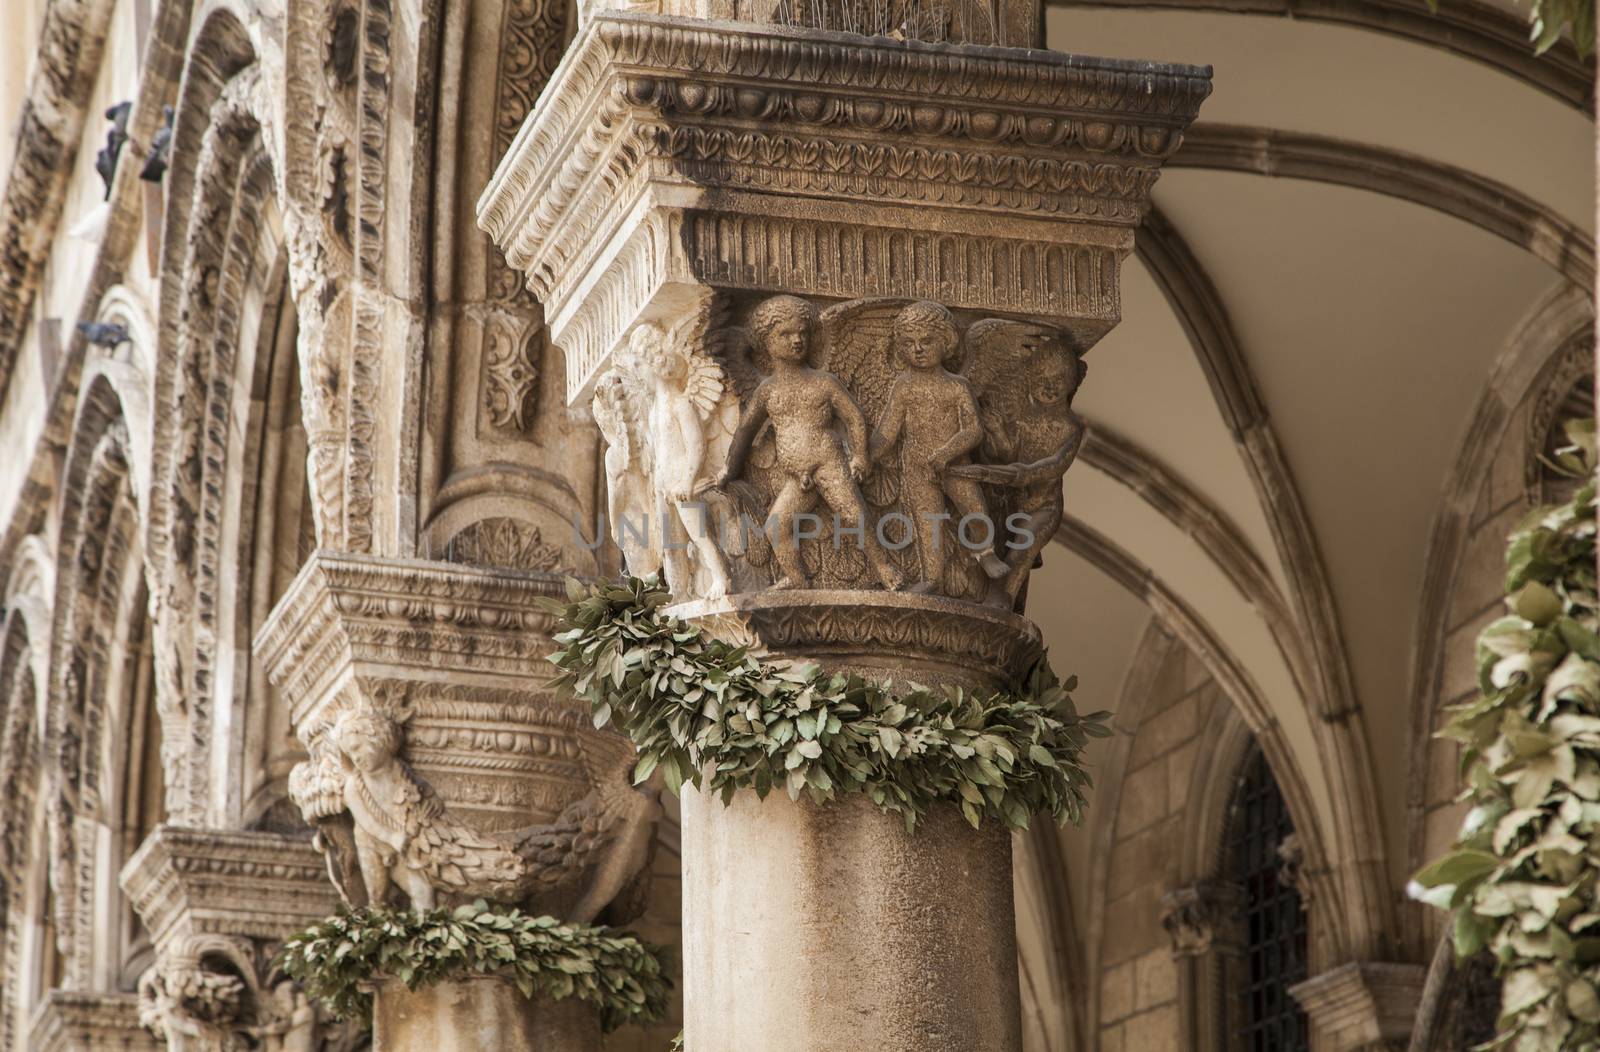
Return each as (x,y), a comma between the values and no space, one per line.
(384,829)
(665,418)
(937,452)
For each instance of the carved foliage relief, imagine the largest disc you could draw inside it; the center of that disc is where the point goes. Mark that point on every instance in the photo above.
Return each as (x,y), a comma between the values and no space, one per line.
(879,443)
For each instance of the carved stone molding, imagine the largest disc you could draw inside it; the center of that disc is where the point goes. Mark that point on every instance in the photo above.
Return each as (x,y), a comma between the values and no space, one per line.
(350,615)
(1363,1005)
(185,883)
(70,1021)
(1485,203)
(742,144)
(1202,918)
(928,638)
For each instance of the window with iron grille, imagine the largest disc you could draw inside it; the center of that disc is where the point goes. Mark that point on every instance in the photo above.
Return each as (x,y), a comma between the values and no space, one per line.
(1267,1018)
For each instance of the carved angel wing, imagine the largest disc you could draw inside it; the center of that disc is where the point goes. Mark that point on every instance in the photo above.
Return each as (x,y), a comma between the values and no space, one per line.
(997,353)
(459,859)
(704,385)
(598,845)
(858,342)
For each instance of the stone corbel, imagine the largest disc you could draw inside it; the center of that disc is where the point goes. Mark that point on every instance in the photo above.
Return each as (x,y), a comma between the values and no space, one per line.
(72,1021)
(1363,1005)
(441,768)
(1203,918)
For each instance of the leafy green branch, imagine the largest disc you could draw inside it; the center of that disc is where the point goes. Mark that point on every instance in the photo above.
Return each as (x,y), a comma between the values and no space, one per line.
(1521,879)
(1549,18)
(613,970)
(698,707)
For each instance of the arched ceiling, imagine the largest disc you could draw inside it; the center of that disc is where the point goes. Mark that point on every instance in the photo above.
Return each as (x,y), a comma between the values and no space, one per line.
(1367,321)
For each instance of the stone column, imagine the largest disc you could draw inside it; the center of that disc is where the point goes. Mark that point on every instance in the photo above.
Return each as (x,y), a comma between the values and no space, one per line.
(1204,920)
(828,295)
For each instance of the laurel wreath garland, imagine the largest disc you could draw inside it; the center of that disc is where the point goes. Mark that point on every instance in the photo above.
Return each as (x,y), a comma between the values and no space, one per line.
(333,959)
(1521,879)
(697,707)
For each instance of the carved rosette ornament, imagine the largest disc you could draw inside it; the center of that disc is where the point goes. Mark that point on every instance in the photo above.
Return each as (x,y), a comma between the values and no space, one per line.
(440,769)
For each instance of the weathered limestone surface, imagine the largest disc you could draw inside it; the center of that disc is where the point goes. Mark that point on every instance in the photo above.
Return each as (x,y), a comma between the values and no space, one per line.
(218,905)
(477,1015)
(68,1021)
(803,921)
(1363,1005)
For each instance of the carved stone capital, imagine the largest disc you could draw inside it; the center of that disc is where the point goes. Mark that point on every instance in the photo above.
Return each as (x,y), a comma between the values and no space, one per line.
(218,905)
(440,765)
(1363,1005)
(669,153)
(910,203)
(929,639)
(1203,918)
(71,1021)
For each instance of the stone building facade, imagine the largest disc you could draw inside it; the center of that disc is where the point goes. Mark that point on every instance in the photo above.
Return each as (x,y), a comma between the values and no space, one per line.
(335,334)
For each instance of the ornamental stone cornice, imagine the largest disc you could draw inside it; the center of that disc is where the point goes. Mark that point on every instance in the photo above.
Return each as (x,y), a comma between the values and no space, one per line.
(71,1021)
(349,616)
(879,633)
(674,152)
(194,882)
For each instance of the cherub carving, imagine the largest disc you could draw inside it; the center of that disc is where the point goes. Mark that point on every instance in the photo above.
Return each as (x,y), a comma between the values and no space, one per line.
(932,416)
(1025,378)
(630,490)
(686,389)
(804,406)
(291,1023)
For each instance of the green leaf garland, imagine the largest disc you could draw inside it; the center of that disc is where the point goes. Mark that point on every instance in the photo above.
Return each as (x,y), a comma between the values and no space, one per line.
(700,708)
(613,970)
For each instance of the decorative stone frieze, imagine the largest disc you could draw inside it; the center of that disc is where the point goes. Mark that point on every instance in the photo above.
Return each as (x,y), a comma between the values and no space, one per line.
(1203,918)
(72,1021)
(440,767)
(186,883)
(1363,1005)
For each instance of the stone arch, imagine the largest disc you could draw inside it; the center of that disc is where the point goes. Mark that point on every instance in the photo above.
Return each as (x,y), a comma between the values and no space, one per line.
(98,650)
(24,667)
(225,369)
(1487,491)
(1336,716)
(1477,31)
(1189,715)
